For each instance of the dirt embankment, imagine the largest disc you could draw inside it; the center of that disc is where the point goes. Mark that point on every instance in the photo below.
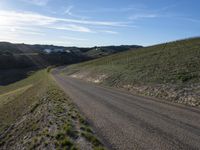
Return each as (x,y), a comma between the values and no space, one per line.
(188,94)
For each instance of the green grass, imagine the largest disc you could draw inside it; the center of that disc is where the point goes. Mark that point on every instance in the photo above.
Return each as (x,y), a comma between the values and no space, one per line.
(36,106)
(91,138)
(34,78)
(86,129)
(16,98)
(174,63)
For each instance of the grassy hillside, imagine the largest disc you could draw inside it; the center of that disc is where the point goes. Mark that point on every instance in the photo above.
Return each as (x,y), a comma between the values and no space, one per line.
(165,67)
(21,93)
(36,114)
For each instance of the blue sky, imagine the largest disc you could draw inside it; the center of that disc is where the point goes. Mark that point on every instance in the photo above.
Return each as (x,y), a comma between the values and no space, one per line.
(98,22)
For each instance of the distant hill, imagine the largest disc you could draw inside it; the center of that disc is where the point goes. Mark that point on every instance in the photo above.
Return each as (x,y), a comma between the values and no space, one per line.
(97,52)
(26,57)
(170,70)
(23,55)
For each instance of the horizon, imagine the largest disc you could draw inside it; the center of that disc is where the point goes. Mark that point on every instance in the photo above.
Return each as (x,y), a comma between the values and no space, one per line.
(176,40)
(93,23)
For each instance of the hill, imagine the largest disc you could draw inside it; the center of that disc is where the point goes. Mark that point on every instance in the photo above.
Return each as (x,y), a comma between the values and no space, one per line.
(23,55)
(36,114)
(16,60)
(97,52)
(169,71)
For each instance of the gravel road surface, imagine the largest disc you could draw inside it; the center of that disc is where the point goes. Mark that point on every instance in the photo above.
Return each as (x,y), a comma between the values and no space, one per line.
(127,122)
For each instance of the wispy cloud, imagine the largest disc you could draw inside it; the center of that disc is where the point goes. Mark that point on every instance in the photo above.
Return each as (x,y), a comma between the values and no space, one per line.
(25,25)
(92,22)
(21,18)
(194,20)
(29,32)
(15,25)
(142,16)
(109,32)
(37,2)
(24,18)
(20,30)
(72,27)
(115,10)
(168,7)
(68,10)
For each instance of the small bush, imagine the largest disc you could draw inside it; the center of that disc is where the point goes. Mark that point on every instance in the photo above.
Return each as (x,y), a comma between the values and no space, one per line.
(69,130)
(66,142)
(91,138)
(99,148)
(86,128)
(60,135)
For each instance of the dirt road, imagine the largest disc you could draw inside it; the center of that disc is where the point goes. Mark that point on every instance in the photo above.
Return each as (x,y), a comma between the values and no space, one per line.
(127,122)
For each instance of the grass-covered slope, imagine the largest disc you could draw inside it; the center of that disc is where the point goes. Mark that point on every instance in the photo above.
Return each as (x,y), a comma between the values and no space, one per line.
(163,70)
(36,114)
(16,98)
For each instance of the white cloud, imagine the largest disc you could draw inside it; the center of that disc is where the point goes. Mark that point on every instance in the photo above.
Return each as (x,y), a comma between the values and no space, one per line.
(90,22)
(142,16)
(68,10)
(110,32)
(115,10)
(29,18)
(30,33)
(37,2)
(72,27)
(18,18)
(20,30)
(16,26)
